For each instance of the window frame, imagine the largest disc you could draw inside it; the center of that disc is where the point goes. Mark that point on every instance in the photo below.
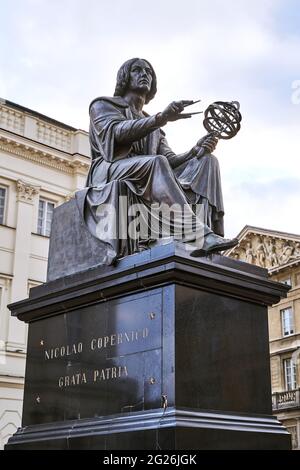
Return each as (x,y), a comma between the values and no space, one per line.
(291,330)
(293,374)
(43,231)
(2,186)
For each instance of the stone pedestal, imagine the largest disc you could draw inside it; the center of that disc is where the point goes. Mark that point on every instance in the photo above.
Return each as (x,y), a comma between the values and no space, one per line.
(160,351)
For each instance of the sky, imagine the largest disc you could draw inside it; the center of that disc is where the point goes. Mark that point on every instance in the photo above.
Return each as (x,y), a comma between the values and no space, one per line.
(57,55)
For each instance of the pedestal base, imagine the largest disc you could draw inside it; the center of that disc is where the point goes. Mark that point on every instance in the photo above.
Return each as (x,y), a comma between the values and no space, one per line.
(109,347)
(176,429)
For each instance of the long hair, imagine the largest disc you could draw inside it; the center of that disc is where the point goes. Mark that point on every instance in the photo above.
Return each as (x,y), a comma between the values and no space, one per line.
(124,76)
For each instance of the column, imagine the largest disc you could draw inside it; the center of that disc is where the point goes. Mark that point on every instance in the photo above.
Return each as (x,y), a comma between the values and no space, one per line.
(25,200)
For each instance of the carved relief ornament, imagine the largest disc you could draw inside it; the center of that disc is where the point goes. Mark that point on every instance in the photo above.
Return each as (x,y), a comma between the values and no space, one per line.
(26,192)
(266,251)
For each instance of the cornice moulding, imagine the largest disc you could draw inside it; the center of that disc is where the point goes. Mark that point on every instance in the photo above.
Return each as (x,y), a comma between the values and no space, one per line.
(28,152)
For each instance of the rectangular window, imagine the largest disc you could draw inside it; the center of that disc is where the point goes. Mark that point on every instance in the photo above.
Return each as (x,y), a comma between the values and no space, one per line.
(45,217)
(2,204)
(290,376)
(287,321)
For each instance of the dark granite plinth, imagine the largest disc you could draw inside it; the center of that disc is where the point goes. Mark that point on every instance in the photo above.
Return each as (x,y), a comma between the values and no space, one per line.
(180,429)
(105,345)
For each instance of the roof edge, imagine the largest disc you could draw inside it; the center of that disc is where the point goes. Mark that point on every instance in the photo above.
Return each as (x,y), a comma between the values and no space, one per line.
(39,115)
(277,233)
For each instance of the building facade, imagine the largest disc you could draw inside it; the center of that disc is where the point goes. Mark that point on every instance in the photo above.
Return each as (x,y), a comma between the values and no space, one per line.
(279,252)
(42,163)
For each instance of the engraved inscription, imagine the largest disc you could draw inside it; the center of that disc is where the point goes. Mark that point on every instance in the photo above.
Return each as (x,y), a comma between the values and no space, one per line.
(110,373)
(119,338)
(96,345)
(62,351)
(98,375)
(102,342)
(69,380)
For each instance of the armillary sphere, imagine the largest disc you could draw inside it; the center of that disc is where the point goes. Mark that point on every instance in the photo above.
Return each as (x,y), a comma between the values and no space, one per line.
(223,119)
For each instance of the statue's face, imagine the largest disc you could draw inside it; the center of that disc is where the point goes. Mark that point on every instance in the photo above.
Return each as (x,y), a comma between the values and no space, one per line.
(140,77)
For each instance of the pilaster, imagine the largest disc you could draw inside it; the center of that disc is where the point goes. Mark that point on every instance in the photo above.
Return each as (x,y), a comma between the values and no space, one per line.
(26,194)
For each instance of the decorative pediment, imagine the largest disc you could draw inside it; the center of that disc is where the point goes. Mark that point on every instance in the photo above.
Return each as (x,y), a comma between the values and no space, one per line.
(266,248)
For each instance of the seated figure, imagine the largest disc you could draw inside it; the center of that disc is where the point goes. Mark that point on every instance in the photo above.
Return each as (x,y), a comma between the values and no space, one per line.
(131,158)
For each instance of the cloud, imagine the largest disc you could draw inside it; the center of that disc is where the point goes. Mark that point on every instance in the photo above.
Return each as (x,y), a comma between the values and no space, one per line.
(55,57)
(272,204)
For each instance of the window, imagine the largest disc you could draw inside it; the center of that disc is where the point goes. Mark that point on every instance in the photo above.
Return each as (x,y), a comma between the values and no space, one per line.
(45,217)
(287,321)
(2,204)
(290,374)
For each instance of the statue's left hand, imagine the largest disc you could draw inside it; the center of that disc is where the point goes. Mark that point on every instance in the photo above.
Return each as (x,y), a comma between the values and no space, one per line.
(206,144)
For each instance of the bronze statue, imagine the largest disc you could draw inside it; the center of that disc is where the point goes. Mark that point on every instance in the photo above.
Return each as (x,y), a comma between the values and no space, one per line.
(131,157)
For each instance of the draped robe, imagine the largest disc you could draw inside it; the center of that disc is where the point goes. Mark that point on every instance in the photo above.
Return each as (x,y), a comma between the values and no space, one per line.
(131,157)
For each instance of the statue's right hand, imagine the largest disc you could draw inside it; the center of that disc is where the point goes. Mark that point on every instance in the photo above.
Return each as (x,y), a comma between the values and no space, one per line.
(173,111)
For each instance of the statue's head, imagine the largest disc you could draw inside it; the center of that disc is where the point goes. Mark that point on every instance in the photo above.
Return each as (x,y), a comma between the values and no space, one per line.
(125,77)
